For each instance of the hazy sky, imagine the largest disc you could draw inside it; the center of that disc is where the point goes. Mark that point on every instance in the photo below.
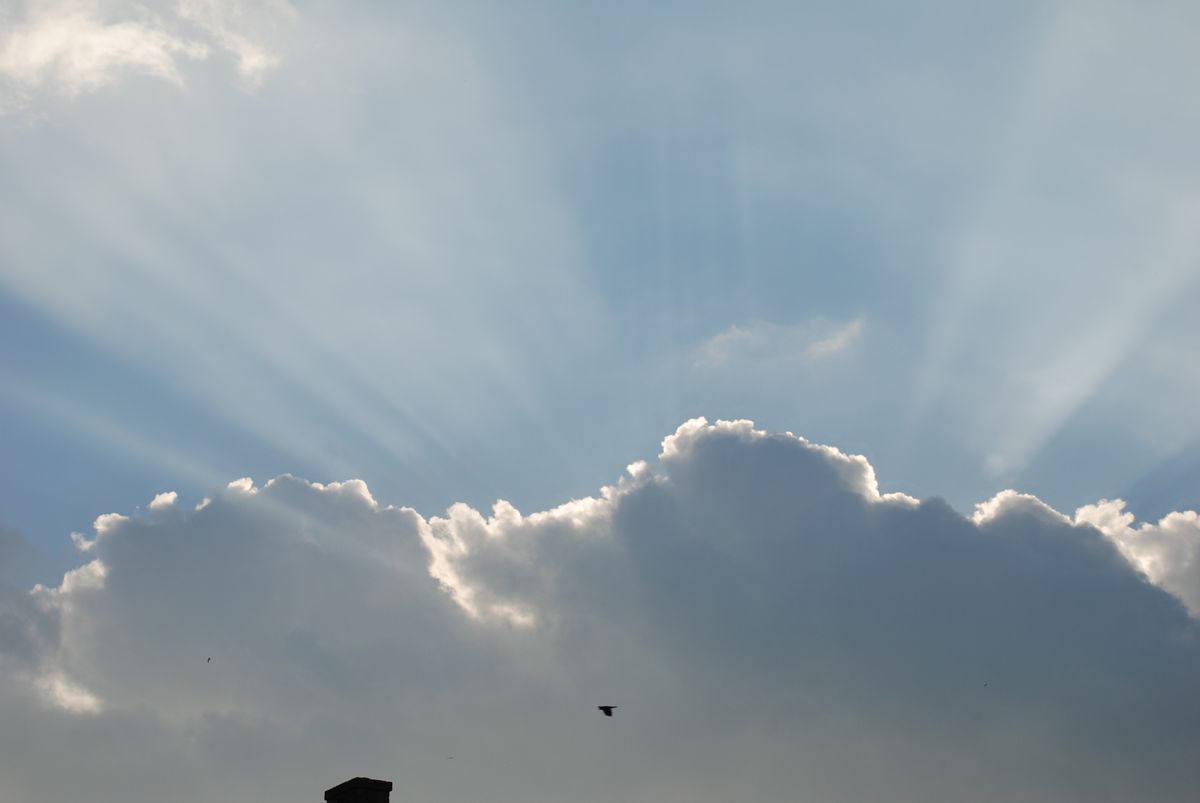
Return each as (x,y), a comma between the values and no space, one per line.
(458,253)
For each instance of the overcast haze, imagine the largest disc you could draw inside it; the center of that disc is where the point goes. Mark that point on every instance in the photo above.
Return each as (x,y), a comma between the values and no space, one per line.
(291,293)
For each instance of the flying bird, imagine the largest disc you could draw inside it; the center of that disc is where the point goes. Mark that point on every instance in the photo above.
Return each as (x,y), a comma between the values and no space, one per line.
(607,709)
(209,661)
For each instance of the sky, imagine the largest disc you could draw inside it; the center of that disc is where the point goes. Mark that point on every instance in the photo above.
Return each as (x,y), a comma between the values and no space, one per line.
(814,381)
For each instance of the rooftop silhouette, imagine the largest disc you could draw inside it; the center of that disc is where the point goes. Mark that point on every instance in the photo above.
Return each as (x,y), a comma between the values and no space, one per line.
(360,790)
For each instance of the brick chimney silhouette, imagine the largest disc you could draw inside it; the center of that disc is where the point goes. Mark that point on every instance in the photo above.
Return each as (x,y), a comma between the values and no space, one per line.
(360,790)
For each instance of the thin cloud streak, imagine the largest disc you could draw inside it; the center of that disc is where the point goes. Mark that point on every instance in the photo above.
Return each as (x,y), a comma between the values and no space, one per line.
(771,346)
(238,27)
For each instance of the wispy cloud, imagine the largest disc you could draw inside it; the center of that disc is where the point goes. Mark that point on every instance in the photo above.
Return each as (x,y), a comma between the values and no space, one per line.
(763,342)
(79,46)
(240,28)
(838,340)
(72,48)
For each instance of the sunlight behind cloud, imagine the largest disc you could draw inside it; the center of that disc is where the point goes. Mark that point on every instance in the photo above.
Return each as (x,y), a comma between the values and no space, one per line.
(749,590)
(1168,552)
(483,257)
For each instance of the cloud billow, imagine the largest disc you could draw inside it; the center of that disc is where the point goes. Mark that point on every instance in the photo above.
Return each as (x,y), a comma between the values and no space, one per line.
(771,625)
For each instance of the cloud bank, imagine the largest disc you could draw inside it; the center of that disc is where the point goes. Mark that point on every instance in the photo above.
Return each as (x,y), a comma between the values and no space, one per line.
(772,626)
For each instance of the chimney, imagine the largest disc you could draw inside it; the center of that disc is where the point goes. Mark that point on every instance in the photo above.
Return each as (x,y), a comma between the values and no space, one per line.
(359,790)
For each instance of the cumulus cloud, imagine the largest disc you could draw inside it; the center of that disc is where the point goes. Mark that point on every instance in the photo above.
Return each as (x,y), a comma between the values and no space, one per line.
(771,624)
(163,500)
(1167,552)
(26,630)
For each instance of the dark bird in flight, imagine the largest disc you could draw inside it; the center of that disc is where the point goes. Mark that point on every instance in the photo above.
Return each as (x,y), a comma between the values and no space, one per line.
(607,709)
(209,661)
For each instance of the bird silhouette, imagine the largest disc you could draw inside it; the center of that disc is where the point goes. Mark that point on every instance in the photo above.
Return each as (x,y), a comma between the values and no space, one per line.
(607,709)
(209,661)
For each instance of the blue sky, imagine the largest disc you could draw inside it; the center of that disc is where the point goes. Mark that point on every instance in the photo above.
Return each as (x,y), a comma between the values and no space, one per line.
(469,252)
(471,255)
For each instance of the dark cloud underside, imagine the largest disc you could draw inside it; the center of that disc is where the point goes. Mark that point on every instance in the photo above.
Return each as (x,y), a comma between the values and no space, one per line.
(771,627)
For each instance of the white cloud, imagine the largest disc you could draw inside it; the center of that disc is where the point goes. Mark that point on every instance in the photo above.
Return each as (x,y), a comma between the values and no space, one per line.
(1010,502)
(1167,552)
(67,695)
(770,624)
(241,28)
(287,380)
(77,46)
(722,346)
(70,46)
(164,500)
(107,521)
(837,340)
(242,485)
(776,345)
